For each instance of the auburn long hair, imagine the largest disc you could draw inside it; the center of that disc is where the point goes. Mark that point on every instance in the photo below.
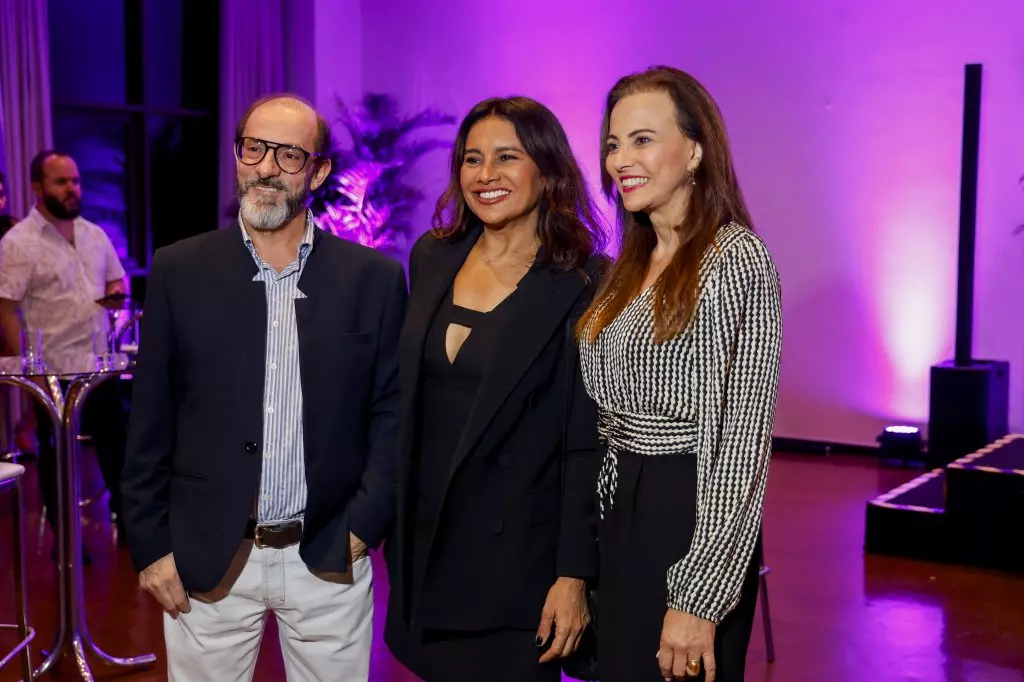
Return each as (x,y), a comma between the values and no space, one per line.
(715,201)
(568,227)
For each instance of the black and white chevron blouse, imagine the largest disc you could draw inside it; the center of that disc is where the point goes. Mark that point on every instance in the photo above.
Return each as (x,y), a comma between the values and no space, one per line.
(710,391)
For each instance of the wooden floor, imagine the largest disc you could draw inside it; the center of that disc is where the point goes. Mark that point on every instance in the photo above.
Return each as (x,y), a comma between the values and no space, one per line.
(837,615)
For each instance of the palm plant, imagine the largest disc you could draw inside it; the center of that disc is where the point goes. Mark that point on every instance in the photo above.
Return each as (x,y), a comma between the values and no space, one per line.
(365,199)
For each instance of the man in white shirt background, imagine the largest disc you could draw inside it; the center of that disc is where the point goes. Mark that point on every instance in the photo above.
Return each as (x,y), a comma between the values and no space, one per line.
(54,267)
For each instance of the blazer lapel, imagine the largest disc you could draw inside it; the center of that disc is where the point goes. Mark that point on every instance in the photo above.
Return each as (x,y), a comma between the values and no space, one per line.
(539,308)
(248,302)
(435,276)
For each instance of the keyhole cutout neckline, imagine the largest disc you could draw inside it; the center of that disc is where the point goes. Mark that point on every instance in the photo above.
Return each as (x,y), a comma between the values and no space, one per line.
(462,322)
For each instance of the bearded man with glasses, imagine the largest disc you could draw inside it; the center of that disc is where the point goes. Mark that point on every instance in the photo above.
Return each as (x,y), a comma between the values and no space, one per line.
(263,432)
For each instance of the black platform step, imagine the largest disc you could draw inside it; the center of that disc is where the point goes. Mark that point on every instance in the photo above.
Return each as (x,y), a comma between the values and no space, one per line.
(1004,456)
(985,504)
(910,521)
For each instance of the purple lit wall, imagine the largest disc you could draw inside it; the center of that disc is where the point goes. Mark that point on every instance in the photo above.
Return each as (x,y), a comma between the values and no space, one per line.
(74,27)
(85,70)
(845,121)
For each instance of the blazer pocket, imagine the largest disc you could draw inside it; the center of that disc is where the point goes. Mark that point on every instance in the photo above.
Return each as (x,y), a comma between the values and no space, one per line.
(543,505)
(187,476)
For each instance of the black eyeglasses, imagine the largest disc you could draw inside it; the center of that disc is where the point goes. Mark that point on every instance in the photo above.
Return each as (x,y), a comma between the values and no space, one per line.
(290,159)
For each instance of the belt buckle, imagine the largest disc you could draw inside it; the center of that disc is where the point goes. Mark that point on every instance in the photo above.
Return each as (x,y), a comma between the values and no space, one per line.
(257,537)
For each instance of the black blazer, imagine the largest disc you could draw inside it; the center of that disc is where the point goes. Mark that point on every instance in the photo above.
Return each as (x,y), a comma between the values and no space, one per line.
(509,524)
(193,460)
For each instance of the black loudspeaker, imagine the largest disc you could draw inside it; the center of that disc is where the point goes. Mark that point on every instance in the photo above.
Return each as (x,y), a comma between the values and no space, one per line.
(969,408)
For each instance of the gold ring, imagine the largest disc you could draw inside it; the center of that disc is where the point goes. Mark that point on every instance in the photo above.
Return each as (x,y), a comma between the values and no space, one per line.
(693,667)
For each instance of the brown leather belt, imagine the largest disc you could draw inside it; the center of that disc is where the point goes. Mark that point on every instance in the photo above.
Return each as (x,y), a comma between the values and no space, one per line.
(276,536)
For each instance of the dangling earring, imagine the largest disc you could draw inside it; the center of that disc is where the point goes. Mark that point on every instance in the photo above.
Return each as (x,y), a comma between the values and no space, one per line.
(693,178)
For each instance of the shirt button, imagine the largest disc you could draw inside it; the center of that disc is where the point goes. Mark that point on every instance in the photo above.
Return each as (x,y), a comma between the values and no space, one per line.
(273,365)
(270,410)
(267,456)
(266,497)
(275,323)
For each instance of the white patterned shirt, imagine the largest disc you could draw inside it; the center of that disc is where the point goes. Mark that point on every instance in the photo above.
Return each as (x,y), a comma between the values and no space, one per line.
(58,284)
(283,482)
(709,393)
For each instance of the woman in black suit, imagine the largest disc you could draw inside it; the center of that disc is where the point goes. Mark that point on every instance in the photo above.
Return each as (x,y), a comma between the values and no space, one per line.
(495,535)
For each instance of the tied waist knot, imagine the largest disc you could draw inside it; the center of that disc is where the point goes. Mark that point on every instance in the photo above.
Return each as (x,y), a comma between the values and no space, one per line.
(646,434)
(641,434)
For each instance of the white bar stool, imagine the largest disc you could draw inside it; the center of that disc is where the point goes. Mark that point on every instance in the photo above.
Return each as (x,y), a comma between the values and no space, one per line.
(10,481)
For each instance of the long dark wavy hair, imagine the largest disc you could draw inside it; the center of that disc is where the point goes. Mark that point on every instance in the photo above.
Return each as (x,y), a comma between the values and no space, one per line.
(568,225)
(715,201)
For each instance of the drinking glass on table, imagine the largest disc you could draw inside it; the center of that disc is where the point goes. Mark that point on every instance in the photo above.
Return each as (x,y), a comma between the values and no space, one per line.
(102,351)
(32,351)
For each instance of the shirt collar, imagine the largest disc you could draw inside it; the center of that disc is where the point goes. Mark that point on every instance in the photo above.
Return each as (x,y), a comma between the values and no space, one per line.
(40,221)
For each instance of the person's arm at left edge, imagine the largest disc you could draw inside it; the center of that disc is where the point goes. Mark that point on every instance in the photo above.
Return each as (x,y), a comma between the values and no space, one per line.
(372,510)
(115,275)
(116,286)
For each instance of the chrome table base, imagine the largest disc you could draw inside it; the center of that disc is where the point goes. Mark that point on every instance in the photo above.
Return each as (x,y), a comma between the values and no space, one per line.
(72,638)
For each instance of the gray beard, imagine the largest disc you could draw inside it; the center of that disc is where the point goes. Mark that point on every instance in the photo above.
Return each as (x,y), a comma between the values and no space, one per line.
(269,218)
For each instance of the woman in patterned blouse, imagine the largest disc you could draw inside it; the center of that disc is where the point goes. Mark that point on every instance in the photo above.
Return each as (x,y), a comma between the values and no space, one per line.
(680,350)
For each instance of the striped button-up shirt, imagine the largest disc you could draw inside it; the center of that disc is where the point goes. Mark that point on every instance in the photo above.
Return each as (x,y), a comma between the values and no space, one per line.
(283,483)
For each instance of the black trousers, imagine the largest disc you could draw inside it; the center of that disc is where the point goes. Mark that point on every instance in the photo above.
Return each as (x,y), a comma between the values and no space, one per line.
(105,421)
(505,655)
(648,529)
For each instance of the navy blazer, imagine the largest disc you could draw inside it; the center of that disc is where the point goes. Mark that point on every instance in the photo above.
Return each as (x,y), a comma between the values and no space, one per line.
(510,522)
(193,461)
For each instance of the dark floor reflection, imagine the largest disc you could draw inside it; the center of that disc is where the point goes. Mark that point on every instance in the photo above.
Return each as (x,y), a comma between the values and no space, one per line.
(838,616)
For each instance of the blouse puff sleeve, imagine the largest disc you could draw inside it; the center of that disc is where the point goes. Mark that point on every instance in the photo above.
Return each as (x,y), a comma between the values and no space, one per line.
(739,343)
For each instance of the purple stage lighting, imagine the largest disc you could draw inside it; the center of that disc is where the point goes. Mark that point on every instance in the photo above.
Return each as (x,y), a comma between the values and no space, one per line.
(901,444)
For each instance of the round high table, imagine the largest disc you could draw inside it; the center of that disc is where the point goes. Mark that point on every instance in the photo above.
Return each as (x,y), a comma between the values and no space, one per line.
(82,373)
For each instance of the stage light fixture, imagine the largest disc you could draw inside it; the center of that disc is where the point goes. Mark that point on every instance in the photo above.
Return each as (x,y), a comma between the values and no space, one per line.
(901,445)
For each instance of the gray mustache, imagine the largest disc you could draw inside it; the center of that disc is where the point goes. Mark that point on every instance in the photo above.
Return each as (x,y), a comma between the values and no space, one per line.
(272,183)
